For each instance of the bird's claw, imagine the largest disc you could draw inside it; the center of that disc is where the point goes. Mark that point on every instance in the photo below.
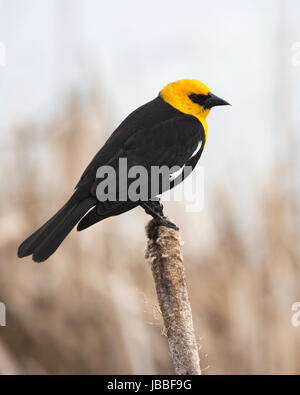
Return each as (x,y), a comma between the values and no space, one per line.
(155,209)
(163,221)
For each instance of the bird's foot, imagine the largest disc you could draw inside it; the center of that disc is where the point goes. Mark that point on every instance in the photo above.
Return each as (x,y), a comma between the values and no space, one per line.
(163,221)
(156,206)
(155,209)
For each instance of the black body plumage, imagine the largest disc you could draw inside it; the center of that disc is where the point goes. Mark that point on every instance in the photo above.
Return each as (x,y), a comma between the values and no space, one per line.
(155,134)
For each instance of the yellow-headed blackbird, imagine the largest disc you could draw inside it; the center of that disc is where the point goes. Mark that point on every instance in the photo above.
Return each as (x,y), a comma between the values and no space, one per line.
(167,131)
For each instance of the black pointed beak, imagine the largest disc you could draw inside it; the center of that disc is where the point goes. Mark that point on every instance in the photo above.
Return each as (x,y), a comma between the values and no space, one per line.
(214,101)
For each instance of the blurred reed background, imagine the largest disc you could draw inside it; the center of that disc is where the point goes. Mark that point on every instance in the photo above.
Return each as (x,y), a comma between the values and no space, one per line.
(92,308)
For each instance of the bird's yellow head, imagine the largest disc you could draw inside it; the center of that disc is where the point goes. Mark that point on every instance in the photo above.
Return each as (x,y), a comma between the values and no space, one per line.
(191,97)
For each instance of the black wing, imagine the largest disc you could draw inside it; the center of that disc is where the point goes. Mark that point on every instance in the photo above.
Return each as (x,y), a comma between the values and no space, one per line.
(154,125)
(168,142)
(145,117)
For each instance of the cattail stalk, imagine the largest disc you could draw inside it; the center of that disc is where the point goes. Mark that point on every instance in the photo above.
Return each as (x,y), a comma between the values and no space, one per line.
(163,252)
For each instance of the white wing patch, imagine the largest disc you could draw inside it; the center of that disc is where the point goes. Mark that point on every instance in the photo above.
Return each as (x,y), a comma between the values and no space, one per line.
(176,174)
(198,149)
(179,172)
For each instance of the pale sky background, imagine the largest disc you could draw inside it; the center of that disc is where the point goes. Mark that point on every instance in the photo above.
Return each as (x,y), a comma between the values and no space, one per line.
(241,49)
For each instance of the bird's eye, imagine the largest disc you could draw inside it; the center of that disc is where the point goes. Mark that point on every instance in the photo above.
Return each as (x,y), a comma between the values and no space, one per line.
(199,99)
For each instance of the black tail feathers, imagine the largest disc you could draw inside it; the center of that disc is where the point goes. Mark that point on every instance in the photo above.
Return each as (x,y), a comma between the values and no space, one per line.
(45,241)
